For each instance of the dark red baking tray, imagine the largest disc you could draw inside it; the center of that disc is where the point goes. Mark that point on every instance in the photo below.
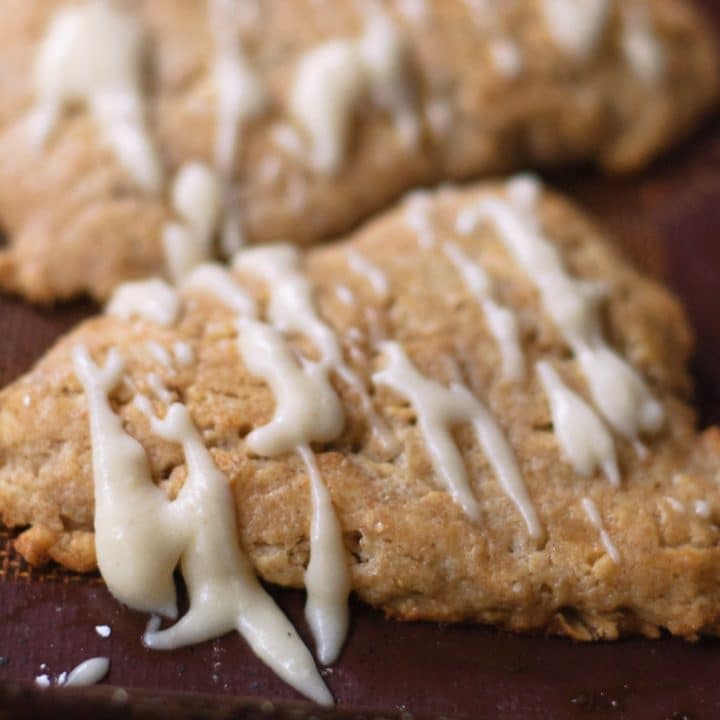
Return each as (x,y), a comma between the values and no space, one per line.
(667,222)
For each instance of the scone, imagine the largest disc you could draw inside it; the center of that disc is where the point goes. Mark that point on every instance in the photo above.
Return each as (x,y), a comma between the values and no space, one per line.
(138,138)
(471,410)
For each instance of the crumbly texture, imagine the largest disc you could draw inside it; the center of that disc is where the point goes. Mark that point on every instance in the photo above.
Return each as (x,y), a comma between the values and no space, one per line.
(77,224)
(412,550)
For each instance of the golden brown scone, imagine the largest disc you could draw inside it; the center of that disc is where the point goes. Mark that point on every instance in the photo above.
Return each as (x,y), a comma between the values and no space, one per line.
(413,551)
(491,92)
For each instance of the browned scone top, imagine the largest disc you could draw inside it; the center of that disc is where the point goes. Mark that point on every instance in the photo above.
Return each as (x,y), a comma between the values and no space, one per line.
(413,551)
(491,91)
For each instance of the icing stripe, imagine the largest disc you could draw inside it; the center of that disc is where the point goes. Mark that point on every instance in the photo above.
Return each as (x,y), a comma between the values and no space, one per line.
(332,79)
(240,97)
(327,577)
(130,512)
(577,26)
(617,389)
(642,48)
(196,200)
(438,410)
(417,216)
(307,409)
(581,434)
(291,309)
(93,54)
(500,320)
(215,280)
(593,515)
(372,273)
(198,530)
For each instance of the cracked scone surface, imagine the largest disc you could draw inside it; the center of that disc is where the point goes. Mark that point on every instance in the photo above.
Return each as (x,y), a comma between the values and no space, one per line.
(489,97)
(413,552)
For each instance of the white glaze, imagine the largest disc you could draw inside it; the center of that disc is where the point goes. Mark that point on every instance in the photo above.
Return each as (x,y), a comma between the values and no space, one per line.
(155,383)
(241,96)
(196,199)
(93,53)
(104,631)
(42,681)
(584,439)
(307,409)
(617,389)
(130,511)
(415,11)
(439,115)
(224,592)
(327,577)
(184,353)
(152,300)
(641,45)
(675,504)
(288,139)
(197,529)
(334,77)
(88,672)
(372,273)
(159,353)
(417,216)
(215,280)
(483,13)
(438,410)
(593,515)
(345,295)
(291,309)
(506,57)
(500,320)
(702,508)
(576,26)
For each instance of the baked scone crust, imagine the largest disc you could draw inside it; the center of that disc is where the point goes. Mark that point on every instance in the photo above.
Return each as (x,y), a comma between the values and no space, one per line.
(76,223)
(413,552)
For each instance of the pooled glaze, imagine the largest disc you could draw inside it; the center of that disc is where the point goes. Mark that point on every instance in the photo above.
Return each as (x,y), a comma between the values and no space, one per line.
(438,410)
(93,53)
(197,530)
(130,511)
(88,672)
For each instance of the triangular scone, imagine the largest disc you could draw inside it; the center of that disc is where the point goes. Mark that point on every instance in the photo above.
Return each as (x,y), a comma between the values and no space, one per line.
(313,115)
(454,345)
